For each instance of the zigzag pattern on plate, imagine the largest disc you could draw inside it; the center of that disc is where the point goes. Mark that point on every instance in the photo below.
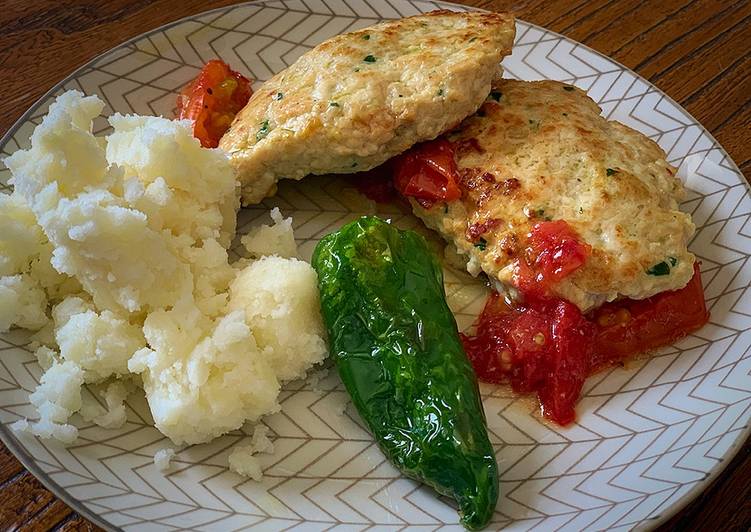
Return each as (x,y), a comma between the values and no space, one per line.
(647,438)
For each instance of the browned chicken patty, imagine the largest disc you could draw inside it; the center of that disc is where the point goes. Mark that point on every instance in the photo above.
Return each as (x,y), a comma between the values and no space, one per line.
(362,97)
(540,151)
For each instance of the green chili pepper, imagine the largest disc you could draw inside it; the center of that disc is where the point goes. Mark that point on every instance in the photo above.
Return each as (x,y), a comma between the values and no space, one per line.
(398,352)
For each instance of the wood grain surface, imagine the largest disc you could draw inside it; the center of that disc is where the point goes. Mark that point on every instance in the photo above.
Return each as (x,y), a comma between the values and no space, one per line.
(696,51)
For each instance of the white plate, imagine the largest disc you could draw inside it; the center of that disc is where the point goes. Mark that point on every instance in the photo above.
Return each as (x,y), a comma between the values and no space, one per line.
(648,438)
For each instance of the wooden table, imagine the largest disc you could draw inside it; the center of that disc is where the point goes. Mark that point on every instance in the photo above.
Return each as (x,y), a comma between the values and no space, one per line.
(697,51)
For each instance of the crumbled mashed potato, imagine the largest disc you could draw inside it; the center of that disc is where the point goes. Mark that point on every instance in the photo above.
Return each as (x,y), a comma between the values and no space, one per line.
(276,296)
(115,250)
(56,398)
(243,460)
(100,343)
(114,395)
(162,459)
(203,377)
(276,239)
(26,275)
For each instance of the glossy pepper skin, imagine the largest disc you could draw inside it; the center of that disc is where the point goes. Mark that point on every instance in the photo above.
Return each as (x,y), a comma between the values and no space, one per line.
(398,352)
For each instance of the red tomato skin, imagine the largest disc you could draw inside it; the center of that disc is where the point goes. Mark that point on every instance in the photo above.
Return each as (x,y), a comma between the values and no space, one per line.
(212,100)
(575,346)
(572,342)
(647,324)
(428,172)
(529,357)
(546,347)
(484,349)
(554,251)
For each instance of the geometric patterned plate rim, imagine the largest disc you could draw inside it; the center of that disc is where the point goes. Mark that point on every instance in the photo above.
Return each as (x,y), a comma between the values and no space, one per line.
(742,433)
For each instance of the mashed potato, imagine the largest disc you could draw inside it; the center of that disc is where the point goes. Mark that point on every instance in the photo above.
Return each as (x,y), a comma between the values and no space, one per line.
(242,459)
(203,377)
(100,343)
(276,239)
(115,249)
(279,298)
(26,275)
(162,459)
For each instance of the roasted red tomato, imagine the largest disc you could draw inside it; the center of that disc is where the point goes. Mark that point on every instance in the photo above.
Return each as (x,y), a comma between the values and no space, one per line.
(554,251)
(212,100)
(568,363)
(549,347)
(542,348)
(489,349)
(428,172)
(629,327)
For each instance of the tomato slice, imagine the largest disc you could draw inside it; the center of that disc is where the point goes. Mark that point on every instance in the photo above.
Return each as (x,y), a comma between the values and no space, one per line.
(548,347)
(542,348)
(568,363)
(428,172)
(212,100)
(630,326)
(489,349)
(554,251)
